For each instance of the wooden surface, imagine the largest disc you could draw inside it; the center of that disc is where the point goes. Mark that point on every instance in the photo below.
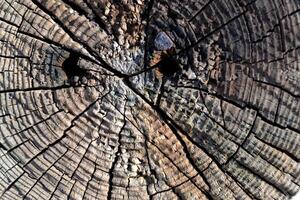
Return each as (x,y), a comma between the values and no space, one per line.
(158,99)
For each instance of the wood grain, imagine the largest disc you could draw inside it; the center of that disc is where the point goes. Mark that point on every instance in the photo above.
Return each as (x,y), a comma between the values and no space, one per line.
(149,99)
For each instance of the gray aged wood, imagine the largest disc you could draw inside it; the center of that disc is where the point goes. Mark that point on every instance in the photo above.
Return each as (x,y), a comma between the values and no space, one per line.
(157,99)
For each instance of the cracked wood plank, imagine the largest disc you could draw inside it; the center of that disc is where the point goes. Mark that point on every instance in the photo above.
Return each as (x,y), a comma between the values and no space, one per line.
(149,99)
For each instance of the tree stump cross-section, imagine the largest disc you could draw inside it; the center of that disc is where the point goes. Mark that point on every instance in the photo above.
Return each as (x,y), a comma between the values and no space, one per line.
(149,99)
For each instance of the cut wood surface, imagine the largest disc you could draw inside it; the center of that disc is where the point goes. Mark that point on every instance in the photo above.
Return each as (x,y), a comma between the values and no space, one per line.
(149,99)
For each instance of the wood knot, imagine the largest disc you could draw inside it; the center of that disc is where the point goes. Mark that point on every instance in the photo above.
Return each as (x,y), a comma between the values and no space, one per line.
(168,65)
(72,68)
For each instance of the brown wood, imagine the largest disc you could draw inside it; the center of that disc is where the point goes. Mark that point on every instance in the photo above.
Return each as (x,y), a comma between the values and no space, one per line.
(157,99)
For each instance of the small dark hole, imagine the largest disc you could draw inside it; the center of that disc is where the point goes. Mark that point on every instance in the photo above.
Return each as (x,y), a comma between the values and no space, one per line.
(168,65)
(71,68)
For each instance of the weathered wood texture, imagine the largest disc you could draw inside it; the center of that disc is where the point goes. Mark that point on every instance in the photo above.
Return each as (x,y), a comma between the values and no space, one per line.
(158,99)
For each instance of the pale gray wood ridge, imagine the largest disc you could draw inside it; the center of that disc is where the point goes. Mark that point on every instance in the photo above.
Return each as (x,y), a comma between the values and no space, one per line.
(149,99)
